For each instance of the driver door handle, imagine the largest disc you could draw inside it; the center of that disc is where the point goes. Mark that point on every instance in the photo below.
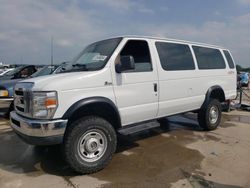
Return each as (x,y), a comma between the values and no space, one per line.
(155,87)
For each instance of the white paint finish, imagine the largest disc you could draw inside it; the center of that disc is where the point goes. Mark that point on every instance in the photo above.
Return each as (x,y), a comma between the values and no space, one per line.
(72,80)
(182,91)
(70,97)
(178,90)
(188,93)
(75,86)
(133,93)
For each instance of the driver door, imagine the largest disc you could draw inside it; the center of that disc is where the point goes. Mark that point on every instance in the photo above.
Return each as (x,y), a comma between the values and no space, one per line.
(136,90)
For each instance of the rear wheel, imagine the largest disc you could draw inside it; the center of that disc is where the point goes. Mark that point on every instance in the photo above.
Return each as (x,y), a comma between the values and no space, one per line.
(209,116)
(89,144)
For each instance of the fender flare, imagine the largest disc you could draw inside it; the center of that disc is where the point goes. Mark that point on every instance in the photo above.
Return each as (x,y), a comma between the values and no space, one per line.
(210,90)
(91,100)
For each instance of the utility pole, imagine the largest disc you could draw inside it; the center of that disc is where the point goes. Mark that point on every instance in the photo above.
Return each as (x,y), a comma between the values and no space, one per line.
(52,55)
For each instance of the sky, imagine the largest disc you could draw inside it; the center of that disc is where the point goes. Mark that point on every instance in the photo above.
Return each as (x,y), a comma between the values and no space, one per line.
(27,26)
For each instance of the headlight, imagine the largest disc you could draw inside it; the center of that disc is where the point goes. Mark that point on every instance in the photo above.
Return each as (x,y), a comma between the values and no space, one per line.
(4,93)
(44,104)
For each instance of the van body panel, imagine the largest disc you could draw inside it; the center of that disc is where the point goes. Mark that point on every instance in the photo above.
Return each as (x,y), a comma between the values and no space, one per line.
(75,86)
(134,92)
(119,82)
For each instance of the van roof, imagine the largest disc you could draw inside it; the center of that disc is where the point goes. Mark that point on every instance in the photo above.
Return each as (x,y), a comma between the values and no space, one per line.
(171,40)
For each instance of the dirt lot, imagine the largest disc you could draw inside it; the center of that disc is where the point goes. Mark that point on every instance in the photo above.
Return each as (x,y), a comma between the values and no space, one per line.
(181,155)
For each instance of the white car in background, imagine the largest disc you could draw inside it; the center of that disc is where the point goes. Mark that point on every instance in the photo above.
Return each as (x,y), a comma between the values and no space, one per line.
(4,71)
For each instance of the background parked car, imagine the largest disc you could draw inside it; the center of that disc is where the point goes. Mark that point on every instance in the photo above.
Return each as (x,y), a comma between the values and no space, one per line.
(7,85)
(20,72)
(46,70)
(5,71)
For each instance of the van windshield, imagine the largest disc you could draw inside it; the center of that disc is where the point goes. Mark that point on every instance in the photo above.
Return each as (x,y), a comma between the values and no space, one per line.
(93,57)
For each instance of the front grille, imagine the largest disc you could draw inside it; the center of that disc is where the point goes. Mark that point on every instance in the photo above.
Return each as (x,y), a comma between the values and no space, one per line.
(19,92)
(23,98)
(19,100)
(20,108)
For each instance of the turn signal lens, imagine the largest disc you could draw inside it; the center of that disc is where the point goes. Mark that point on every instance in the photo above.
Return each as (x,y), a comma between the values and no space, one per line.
(51,103)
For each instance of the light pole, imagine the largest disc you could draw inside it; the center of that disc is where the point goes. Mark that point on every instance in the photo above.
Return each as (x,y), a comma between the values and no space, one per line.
(52,55)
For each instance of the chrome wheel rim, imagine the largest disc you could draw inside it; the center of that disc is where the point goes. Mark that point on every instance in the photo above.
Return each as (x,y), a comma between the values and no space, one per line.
(213,114)
(92,145)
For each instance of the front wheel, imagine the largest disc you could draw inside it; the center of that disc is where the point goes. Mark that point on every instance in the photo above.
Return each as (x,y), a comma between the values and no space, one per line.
(209,115)
(89,144)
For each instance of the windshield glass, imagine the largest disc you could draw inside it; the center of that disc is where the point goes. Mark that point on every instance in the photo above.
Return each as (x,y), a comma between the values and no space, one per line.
(94,56)
(45,71)
(12,72)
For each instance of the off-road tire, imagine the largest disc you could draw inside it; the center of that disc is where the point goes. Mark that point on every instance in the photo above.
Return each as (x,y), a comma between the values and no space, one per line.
(73,135)
(204,115)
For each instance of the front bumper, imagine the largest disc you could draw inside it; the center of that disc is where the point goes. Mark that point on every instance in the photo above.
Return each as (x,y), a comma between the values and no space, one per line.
(38,132)
(5,104)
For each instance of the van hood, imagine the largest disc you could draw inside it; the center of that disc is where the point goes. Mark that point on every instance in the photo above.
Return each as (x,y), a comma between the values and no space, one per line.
(71,80)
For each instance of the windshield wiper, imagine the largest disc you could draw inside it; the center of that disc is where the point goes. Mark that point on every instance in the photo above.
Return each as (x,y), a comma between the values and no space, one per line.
(76,67)
(79,65)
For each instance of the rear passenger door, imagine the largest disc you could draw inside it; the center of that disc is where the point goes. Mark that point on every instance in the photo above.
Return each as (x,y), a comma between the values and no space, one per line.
(136,90)
(176,78)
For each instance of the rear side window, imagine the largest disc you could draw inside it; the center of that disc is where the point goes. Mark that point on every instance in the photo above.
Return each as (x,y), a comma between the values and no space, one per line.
(139,50)
(209,58)
(174,56)
(229,59)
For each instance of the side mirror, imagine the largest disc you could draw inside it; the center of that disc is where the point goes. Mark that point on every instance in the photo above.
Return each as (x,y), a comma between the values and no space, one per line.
(126,63)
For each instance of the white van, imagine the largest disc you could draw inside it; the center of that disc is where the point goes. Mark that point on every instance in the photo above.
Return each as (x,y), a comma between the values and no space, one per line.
(118,82)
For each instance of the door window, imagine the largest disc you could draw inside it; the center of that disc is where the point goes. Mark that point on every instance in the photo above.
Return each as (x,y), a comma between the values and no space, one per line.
(229,59)
(174,57)
(209,58)
(139,50)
